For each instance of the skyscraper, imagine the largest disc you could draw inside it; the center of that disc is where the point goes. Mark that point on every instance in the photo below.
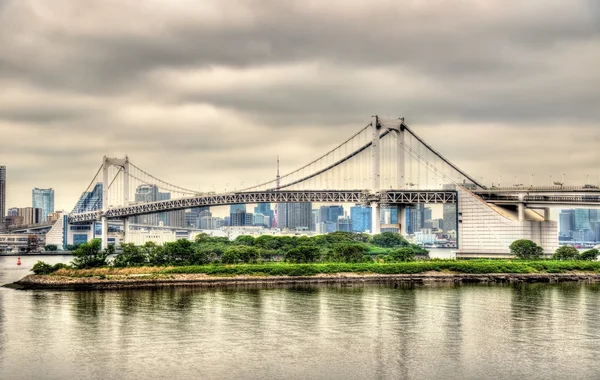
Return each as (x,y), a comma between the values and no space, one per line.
(43,199)
(566,222)
(361,218)
(150,193)
(90,201)
(450,217)
(295,215)
(2,192)
(265,209)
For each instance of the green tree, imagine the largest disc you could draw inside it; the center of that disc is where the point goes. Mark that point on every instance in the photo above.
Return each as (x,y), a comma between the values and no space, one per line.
(303,254)
(526,249)
(389,240)
(590,255)
(244,240)
(403,254)
(154,253)
(179,252)
(89,255)
(130,256)
(51,247)
(240,253)
(349,253)
(566,253)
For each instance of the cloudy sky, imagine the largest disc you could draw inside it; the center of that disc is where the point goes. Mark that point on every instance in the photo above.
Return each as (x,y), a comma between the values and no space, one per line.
(209,92)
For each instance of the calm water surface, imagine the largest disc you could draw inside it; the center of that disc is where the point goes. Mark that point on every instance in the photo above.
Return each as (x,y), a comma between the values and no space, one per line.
(355,332)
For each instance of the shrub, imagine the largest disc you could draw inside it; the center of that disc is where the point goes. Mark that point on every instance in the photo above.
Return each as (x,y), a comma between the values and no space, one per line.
(349,253)
(566,253)
(590,255)
(526,249)
(403,254)
(51,247)
(42,268)
(389,240)
(303,254)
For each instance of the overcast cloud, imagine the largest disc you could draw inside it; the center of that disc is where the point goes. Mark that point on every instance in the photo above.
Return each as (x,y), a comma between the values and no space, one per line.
(209,92)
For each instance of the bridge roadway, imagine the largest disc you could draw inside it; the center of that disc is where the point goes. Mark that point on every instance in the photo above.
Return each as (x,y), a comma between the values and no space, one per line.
(541,197)
(363,197)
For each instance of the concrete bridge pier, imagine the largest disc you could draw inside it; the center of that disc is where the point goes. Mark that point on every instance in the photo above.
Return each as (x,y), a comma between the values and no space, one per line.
(126,230)
(375,218)
(104,232)
(521,210)
(402,219)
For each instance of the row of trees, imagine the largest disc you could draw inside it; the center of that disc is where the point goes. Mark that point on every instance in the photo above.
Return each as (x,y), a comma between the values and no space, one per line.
(528,250)
(334,247)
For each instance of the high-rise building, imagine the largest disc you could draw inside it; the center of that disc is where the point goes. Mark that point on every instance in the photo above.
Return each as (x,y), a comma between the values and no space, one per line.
(361,218)
(295,215)
(241,218)
(265,209)
(389,215)
(90,201)
(193,215)
(450,217)
(2,192)
(344,224)
(566,223)
(150,193)
(427,214)
(415,218)
(43,199)
(30,215)
(334,212)
(581,219)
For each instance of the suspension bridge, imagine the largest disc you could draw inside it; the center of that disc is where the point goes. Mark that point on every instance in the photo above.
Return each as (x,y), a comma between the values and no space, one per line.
(384,164)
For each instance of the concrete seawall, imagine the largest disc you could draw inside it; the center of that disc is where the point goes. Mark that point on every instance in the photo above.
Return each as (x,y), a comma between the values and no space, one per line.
(204,281)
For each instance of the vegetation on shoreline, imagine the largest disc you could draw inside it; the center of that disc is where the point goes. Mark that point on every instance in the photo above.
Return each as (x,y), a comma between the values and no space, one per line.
(338,252)
(291,269)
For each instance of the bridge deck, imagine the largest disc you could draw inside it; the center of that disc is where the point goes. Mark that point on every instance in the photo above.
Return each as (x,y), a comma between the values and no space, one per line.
(327,196)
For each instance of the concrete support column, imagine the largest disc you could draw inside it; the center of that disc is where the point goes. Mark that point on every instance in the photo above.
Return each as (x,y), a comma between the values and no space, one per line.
(402,219)
(375,218)
(104,232)
(126,230)
(547,214)
(521,206)
(375,156)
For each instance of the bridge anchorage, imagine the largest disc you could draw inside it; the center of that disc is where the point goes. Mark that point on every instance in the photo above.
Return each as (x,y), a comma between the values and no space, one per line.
(384,164)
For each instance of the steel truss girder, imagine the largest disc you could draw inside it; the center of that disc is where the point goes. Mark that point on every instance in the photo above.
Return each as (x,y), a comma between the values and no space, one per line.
(327,196)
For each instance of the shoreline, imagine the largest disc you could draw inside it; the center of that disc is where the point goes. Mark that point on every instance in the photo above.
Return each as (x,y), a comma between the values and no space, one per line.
(54,282)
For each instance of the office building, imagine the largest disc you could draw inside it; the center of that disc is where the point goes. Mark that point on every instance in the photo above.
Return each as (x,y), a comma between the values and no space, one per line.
(361,219)
(566,224)
(150,193)
(90,201)
(43,199)
(296,216)
(450,217)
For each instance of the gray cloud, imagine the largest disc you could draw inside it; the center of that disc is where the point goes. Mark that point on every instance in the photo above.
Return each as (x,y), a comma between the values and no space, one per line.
(210,92)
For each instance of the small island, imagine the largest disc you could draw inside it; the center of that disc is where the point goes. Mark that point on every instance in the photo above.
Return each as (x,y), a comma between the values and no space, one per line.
(335,258)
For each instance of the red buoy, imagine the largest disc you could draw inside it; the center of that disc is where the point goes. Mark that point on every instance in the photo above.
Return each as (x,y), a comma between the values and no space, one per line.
(19,261)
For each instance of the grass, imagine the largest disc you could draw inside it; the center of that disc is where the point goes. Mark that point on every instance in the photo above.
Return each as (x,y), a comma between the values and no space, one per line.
(413,267)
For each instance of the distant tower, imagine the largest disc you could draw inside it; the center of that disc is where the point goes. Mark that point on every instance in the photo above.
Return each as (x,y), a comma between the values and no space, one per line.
(275,221)
(278,178)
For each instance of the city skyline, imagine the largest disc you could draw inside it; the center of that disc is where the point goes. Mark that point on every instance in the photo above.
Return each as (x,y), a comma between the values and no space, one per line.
(258,82)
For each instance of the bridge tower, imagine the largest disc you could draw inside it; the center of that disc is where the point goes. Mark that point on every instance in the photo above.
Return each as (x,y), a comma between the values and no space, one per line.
(123,164)
(376,173)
